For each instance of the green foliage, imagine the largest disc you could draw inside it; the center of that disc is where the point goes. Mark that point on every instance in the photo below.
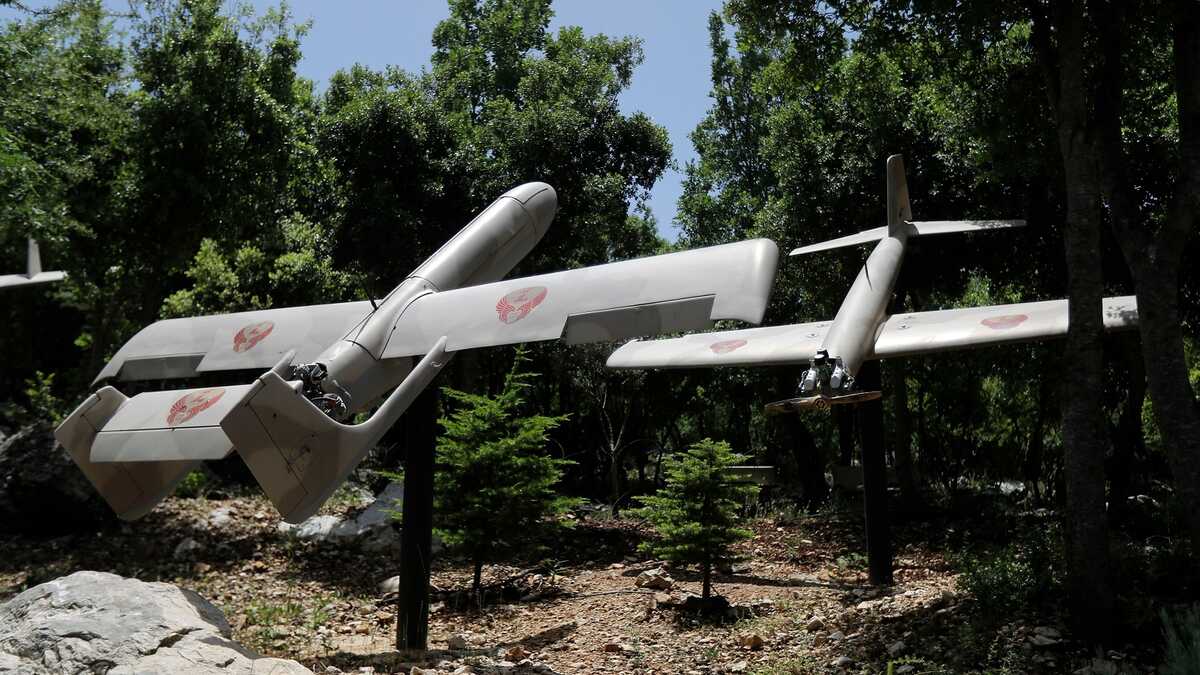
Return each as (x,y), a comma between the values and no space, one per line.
(695,514)
(504,102)
(194,484)
(1014,577)
(299,274)
(1182,631)
(43,403)
(495,484)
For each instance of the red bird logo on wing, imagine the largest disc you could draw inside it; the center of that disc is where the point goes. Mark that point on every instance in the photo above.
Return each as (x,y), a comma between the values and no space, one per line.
(518,304)
(251,335)
(1004,322)
(726,346)
(192,404)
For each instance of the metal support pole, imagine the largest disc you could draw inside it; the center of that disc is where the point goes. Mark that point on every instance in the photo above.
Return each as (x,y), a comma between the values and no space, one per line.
(875,510)
(420,438)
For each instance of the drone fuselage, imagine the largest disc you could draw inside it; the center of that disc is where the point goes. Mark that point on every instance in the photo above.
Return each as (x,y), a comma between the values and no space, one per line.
(852,334)
(485,250)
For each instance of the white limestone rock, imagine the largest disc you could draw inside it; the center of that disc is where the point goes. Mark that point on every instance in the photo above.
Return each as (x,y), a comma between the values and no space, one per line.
(101,622)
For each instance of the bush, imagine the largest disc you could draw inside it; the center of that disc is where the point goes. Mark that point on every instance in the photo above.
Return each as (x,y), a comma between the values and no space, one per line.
(193,485)
(1182,632)
(1015,576)
(695,514)
(495,483)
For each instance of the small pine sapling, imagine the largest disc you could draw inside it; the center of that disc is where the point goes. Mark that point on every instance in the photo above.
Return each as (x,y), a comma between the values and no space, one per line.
(495,483)
(695,513)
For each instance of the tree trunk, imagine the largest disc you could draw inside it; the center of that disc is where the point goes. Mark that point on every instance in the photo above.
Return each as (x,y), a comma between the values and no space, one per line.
(706,571)
(1155,258)
(844,417)
(477,580)
(1037,441)
(1129,439)
(614,480)
(810,462)
(1084,430)
(902,432)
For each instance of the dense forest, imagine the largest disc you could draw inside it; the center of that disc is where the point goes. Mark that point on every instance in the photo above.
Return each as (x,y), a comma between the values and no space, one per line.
(174,163)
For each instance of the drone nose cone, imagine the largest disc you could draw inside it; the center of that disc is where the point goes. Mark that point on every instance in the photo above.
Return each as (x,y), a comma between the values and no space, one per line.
(540,202)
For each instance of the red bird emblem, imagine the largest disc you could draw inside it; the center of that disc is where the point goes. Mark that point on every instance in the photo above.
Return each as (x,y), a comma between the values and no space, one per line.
(726,346)
(1004,322)
(251,335)
(192,404)
(518,304)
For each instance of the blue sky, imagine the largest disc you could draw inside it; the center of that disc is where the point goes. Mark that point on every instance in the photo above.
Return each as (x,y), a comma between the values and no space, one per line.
(671,86)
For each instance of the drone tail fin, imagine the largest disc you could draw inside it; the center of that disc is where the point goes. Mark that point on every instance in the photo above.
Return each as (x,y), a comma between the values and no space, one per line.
(899,218)
(34,261)
(300,455)
(899,213)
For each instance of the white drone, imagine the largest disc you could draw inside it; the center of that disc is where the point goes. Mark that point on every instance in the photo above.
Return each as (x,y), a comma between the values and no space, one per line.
(862,329)
(326,362)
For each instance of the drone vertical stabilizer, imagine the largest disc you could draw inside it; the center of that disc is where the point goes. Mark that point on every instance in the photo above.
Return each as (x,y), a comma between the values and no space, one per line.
(899,218)
(33,265)
(899,213)
(33,270)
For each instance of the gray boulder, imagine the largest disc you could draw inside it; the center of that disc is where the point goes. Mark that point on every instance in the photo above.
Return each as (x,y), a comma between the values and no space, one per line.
(41,489)
(372,530)
(96,622)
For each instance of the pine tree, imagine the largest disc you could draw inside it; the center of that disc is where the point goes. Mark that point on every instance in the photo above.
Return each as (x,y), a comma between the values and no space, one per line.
(695,513)
(494,482)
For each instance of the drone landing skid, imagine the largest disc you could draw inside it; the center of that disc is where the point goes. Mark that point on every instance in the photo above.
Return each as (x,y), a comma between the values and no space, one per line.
(819,402)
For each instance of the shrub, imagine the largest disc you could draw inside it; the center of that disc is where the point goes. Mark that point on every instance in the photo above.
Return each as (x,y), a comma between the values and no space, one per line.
(1015,576)
(194,484)
(495,483)
(1182,632)
(695,514)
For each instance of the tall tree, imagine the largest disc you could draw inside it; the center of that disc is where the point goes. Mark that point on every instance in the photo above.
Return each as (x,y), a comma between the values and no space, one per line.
(1085,435)
(1155,219)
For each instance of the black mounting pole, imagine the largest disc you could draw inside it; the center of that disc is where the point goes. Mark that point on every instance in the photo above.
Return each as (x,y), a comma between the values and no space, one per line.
(875,508)
(419,431)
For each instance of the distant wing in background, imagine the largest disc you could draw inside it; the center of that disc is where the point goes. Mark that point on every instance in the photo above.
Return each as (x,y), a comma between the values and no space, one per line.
(951,329)
(770,345)
(666,293)
(176,348)
(901,335)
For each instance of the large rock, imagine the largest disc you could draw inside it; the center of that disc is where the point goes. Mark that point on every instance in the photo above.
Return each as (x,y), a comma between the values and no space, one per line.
(373,529)
(96,622)
(41,489)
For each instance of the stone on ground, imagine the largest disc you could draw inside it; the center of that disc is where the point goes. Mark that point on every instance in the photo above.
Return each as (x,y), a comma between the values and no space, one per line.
(101,622)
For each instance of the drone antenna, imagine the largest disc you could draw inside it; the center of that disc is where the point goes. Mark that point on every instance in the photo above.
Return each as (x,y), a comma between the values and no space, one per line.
(366,288)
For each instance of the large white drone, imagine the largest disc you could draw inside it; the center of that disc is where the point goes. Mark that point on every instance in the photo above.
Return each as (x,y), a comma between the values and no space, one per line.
(862,330)
(325,362)
(33,271)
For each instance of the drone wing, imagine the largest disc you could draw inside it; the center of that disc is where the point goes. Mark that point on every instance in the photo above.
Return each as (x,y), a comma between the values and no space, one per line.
(952,329)
(780,345)
(107,437)
(658,294)
(900,335)
(176,348)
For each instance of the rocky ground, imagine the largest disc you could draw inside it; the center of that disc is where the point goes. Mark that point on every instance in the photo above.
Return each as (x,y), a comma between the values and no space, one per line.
(801,601)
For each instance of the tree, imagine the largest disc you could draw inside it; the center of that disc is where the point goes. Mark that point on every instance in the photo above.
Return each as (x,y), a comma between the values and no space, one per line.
(696,513)
(495,486)
(1149,165)
(1085,434)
